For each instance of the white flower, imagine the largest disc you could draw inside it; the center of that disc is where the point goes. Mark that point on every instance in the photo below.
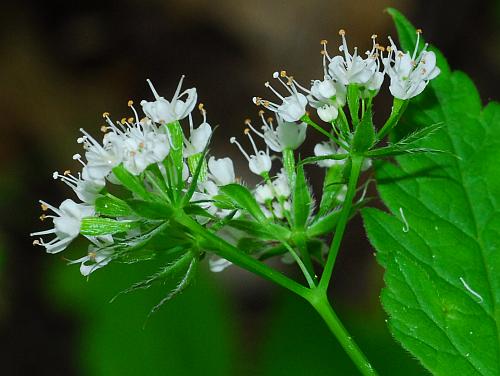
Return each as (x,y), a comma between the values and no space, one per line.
(410,74)
(328,112)
(352,69)
(86,190)
(101,159)
(280,208)
(327,92)
(67,222)
(328,148)
(287,135)
(260,162)
(165,112)
(281,185)
(95,259)
(263,193)
(144,145)
(221,170)
(199,137)
(293,106)
(218,264)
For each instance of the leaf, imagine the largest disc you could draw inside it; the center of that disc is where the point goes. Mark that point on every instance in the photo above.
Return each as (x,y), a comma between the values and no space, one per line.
(97,226)
(302,200)
(112,206)
(131,182)
(182,285)
(441,245)
(150,210)
(165,272)
(335,157)
(264,231)
(353,102)
(333,185)
(364,135)
(242,197)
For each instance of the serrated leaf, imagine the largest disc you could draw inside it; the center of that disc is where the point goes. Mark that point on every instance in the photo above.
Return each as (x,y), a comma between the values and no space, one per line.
(440,247)
(364,135)
(131,182)
(97,226)
(302,200)
(242,197)
(150,210)
(112,206)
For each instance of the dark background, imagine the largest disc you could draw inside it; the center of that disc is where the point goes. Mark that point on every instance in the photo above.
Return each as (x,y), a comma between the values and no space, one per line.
(63,63)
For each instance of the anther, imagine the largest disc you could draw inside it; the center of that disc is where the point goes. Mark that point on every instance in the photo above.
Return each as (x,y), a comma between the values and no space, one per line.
(105,114)
(36,242)
(323,42)
(374,36)
(247,121)
(419,31)
(104,129)
(246,131)
(342,32)
(130,103)
(123,120)
(66,172)
(42,217)
(283,73)
(44,207)
(261,112)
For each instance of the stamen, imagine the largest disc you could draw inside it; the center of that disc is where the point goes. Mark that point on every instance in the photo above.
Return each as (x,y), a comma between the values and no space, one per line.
(234,141)
(247,132)
(178,90)
(153,89)
(268,85)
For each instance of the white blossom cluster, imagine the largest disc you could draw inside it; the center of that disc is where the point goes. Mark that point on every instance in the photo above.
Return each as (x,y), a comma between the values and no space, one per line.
(137,143)
(409,74)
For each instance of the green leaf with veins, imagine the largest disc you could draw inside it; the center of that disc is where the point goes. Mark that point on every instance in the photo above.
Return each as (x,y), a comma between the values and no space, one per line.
(440,244)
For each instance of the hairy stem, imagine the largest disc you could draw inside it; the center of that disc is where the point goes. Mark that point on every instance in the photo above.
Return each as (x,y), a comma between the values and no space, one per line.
(357,161)
(234,255)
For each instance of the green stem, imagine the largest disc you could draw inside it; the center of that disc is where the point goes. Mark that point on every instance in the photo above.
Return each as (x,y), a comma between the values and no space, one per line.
(357,161)
(306,119)
(398,108)
(322,306)
(301,264)
(234,255)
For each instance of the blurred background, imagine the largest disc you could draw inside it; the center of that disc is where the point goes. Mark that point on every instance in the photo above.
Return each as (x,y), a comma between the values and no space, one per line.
(64,63)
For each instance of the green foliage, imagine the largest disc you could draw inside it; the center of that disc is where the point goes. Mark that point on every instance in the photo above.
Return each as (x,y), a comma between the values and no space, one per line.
(333,184)
(150,210)
(364,136)
(302,200)
(353,102)
(97,226)
(242,198)
(112,206)
(131,182)
(440,245)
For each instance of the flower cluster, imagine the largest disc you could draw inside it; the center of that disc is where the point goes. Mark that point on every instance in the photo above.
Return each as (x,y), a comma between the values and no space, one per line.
(409,75)
(168,175)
